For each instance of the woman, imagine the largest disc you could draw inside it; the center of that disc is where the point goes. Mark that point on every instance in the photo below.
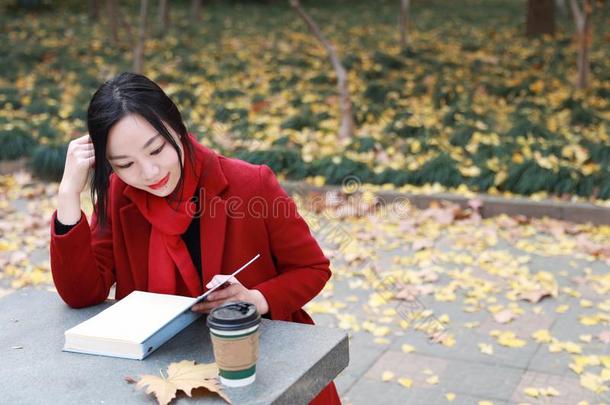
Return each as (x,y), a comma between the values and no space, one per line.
(171,216)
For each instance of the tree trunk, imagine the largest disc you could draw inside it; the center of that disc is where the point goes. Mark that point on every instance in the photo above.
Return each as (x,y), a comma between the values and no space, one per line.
(347,127)
(561,6)
(112,12)
(540,17)
(405,6)
(582,19)
(163,17)
(196,10)
(94,10)
(138,53)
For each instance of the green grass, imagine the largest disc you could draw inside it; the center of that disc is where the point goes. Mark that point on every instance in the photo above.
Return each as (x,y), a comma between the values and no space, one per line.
(471,102)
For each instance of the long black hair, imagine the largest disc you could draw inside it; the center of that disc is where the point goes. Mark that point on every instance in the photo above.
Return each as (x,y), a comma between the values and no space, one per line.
(129,93)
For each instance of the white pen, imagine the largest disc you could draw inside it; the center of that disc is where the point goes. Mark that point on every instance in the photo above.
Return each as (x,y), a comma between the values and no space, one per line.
(236,272)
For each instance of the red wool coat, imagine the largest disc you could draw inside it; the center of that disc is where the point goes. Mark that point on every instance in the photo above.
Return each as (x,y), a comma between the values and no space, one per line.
(245,211)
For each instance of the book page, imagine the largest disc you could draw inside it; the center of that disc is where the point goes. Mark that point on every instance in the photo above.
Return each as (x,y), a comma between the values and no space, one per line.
(134,318)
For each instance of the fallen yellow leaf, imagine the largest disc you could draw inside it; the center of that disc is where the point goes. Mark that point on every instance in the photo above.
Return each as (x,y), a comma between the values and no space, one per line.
(406,348)
(532,392)
(486,348)
(185,376)
(432,380)
(387,376)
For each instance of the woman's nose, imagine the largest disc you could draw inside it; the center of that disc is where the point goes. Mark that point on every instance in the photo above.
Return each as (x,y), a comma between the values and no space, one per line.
(150,172)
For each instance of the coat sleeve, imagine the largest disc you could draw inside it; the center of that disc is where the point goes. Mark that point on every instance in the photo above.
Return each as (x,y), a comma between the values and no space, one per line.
(82,262)
(303,269)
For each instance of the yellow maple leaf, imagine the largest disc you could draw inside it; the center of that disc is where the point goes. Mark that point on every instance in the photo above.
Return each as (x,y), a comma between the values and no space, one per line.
(586,303)
(550,392)
(509,339)
(387,376)
(406,348)
(450,396)
(405,382)
(542,336)
(185,376)
(432,380)
(486,348)
(593,382)
(562,309)
(532,392)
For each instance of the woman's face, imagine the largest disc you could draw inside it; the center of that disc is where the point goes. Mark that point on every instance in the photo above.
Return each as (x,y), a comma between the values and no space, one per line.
(142,158)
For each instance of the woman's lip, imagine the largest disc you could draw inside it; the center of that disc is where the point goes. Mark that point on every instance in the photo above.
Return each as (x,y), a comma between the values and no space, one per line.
(160,183)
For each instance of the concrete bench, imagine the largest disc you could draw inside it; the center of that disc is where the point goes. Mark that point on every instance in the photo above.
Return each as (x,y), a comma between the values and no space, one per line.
(296,360)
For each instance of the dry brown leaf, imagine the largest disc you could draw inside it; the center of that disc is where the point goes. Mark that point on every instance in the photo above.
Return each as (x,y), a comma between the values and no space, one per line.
(428,275)
(591,247)
(184,376)
(604,336)
(408,293)
(129,379)
(422,243)
(475,204)
(534,296)
(443,213)
(504,316)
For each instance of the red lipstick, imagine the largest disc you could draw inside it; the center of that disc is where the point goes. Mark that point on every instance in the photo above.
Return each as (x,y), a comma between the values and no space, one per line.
(160,183)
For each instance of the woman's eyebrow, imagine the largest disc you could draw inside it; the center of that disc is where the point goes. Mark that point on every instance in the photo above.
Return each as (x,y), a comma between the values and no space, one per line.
(146,145)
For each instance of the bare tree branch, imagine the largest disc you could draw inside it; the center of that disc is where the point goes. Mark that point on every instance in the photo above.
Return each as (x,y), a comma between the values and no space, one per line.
(163,16)
(138,53)
(582,20)
(94,10)
(111,11)
(405,6)
(196,10)
(577,13)
(346,129)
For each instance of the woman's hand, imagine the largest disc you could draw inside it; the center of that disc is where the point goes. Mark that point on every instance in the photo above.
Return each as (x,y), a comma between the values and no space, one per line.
(79,159)
(235,291)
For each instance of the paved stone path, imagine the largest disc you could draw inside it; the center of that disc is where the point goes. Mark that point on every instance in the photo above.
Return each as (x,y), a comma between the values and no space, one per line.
(463,373)
(459,296)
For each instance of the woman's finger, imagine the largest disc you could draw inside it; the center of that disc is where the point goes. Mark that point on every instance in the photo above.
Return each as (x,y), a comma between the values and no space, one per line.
(219,279)
(83,139)
(84,154)
(226,293)
(206,307)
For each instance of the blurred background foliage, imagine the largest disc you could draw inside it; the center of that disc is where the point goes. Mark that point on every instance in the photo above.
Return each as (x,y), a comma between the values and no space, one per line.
(471,103)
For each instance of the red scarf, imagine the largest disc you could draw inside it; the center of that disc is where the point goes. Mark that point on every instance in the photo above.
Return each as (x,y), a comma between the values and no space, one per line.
(170,267)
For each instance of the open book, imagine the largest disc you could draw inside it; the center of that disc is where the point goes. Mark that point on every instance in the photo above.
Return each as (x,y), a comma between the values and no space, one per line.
(138,324)
(134,327)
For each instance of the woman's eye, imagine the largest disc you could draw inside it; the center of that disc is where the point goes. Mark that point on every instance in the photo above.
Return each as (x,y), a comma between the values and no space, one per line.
(124,166)
(158,150)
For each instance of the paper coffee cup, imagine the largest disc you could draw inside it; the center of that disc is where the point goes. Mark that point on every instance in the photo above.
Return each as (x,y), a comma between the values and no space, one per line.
(234,329)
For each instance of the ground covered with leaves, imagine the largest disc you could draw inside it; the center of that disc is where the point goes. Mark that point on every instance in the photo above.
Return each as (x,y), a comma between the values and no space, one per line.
(440,304)
(472,104)
(445,306)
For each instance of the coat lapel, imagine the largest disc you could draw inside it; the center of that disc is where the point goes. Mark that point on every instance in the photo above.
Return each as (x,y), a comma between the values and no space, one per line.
(213,226)
(136,231)
(213,215)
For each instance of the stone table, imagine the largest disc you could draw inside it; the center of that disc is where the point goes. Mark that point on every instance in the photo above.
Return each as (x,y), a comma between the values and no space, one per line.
(296,360)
